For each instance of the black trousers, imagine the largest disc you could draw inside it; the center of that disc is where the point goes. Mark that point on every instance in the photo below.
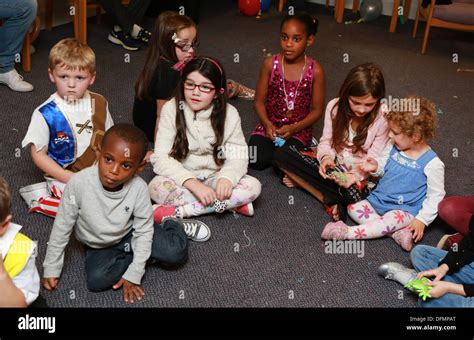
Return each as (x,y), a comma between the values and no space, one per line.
(303,163)
(265,150)
(123,16)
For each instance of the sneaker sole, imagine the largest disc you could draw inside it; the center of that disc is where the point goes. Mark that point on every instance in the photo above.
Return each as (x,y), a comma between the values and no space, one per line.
(116,41)
(16,90)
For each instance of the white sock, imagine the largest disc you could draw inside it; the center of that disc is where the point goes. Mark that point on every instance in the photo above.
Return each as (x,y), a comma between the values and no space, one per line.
(117,28)
(135,30)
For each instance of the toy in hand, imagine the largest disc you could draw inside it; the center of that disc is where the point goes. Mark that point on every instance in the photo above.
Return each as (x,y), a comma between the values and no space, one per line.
(420,287)
(279,142)
(356,192)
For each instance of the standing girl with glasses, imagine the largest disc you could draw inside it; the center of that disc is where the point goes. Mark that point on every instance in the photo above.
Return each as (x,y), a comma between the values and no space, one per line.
(290,91)
(201,156)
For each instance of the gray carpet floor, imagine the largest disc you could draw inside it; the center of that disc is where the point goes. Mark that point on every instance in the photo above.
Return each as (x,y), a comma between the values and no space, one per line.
(281,260)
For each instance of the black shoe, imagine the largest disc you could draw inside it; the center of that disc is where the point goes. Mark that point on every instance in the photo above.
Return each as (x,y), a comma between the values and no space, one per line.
(120,38)
(143,36)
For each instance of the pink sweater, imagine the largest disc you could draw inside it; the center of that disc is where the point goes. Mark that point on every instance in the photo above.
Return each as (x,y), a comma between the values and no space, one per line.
(377,138)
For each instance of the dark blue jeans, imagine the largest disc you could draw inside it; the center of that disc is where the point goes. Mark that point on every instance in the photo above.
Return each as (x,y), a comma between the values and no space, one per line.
(105,267)
(17,16)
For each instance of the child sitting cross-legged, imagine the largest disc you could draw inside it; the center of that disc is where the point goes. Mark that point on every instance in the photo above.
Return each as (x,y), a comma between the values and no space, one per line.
(66,129)
(406,199)
(110,208)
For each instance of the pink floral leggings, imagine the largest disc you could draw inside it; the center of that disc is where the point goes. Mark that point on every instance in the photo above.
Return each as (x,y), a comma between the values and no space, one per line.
(372,225)
(165,191)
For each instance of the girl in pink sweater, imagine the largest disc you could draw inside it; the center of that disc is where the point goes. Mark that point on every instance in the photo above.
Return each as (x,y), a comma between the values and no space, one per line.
(354,128)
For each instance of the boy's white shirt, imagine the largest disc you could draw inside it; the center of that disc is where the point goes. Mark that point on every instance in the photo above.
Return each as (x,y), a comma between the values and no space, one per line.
(435,192)
(28,280)
(77,113)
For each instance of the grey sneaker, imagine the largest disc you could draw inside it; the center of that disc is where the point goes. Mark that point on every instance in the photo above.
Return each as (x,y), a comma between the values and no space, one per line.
(195,230)
(15,81)
(397,272)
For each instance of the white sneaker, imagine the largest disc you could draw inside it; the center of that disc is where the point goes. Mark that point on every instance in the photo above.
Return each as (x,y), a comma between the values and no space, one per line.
(15,81)
(195,230)
(34,192)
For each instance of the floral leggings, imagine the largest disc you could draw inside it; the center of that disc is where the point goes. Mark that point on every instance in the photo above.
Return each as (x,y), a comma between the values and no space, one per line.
(165,191)
(372,225)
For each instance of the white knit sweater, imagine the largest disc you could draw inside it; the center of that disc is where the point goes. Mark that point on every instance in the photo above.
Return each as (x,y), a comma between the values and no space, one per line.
(200,163)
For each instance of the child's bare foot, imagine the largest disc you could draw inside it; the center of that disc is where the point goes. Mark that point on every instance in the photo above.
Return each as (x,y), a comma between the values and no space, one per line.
(148,155)
(288,182)
(332,211)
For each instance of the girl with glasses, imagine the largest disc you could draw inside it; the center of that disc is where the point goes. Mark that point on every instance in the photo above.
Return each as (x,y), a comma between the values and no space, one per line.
(201,149)
(174,42)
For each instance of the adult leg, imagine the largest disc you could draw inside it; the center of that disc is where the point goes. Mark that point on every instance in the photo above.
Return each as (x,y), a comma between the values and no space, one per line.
(264,150)
(18,16)
(170,243)
(137,10)
(105,267)
(119,14)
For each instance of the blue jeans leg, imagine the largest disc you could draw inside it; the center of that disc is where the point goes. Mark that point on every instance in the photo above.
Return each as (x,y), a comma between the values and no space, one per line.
(17,16)
(425,258)
(105,267)
(170,244)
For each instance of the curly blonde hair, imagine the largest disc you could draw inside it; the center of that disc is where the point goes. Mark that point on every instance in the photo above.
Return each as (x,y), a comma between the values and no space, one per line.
(420,118)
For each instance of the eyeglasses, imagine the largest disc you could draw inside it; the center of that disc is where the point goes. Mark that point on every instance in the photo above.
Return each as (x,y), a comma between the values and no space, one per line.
(189,85)
(185,47)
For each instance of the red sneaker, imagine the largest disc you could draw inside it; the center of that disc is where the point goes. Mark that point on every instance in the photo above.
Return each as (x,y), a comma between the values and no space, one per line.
(449,240)
(246,210)
(163,211)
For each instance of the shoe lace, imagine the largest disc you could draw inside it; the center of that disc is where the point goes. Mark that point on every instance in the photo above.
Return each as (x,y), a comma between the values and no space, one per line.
(191,229)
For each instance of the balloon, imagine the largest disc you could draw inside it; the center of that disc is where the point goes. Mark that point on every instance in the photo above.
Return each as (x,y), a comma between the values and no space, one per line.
(266,5)
(249,7)
(371,9)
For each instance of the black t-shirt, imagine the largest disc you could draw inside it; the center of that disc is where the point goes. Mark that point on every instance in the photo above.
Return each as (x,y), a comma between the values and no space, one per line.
(462,257)
(162,86)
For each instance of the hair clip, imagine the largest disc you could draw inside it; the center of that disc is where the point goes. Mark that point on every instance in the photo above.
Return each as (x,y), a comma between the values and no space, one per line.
(175,38)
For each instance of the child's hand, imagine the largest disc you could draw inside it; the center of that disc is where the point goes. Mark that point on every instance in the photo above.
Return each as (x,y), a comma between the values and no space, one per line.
(224,189)
(205,194)
(438,273)
(326,163)
(440,288)
(370,165)
(418,229)
(286,131)
(130,290)
(50,283)
(349,180)
(271,131)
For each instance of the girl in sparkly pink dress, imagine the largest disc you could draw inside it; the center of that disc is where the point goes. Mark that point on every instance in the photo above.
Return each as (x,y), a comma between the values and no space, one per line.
(290,92)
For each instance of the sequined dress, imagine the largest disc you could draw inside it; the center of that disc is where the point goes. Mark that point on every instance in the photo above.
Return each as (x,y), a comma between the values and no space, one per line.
(276,104)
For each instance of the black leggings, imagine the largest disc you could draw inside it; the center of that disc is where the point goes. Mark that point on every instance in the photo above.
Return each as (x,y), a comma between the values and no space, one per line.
(303,163)
(125,17)
(265,150)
